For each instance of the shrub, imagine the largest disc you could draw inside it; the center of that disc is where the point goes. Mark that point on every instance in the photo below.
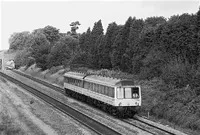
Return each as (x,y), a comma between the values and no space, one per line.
(177,73)
(22,58)
(55,69)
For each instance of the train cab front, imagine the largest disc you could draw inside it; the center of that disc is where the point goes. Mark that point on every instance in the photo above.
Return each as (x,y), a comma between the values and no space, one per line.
(128,96)
(128,99)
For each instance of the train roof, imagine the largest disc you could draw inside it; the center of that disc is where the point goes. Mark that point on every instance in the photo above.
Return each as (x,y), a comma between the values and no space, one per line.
(76,75)
(99,79)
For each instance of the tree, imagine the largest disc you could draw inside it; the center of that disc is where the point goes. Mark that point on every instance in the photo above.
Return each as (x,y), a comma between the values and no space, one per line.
(84,41)
(18,41)
(198,33)
(22,58)
(51,33)
(152,23)
(40,50)
(72,43)
(84,44)
(172,41)
(133,46)
(106,46)
(99,52)
(74,27)
(120,44)
(198,20)
(96,32)
(60,52)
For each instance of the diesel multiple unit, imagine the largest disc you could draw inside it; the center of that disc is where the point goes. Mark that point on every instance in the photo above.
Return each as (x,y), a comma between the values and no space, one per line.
(10,64)
(116,96)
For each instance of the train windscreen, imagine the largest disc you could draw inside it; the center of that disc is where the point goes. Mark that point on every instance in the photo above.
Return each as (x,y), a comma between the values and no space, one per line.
(127,92)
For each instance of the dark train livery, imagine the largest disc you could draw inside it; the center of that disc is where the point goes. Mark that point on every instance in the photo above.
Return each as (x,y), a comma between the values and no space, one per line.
(118,97)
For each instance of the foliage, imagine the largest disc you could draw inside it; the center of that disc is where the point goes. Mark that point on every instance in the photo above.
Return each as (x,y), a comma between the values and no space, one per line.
(22,58)
(120,45)
(18,41)
(130,57)
(51,33)
(167,49)
(40,50)
(61,51)
(106,46)
(74,27)
(95,40)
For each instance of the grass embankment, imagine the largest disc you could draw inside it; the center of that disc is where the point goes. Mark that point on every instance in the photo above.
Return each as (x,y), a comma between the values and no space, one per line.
(177,107)
(8,125)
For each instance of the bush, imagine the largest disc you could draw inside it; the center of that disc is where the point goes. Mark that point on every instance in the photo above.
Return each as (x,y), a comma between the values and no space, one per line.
(55,69)
(22,58)
(177,73)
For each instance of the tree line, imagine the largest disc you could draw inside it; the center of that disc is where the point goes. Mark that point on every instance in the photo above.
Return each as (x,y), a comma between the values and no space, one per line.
(151,47)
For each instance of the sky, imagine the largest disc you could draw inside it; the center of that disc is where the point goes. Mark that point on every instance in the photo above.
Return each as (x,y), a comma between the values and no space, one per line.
(19,16)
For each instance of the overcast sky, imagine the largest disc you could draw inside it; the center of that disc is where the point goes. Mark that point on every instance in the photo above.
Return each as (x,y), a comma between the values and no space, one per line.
(21,16)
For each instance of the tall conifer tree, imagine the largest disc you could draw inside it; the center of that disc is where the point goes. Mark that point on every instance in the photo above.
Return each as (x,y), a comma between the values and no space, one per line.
(105,59)
(96,32)
(120,45)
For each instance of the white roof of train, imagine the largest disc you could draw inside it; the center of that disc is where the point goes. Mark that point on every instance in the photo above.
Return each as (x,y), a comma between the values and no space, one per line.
(95,78)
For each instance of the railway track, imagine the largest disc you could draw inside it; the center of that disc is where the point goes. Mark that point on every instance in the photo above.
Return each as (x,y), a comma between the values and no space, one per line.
(89,122)
(138,122)
(148,128)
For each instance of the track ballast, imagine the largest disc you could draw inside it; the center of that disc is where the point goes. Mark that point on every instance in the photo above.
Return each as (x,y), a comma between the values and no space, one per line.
(89,122)
(59,89)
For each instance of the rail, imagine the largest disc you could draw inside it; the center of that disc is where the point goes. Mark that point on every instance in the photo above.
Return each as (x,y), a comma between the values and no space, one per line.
(89,122)
(157,126)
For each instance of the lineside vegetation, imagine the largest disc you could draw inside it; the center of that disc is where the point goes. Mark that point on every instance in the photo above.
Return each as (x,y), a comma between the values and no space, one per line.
(162,53)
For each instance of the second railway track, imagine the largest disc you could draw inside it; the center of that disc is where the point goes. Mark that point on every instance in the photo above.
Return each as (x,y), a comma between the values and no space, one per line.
(92,124)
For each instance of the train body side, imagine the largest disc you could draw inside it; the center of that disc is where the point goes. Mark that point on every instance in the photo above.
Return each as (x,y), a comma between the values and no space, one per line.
(114,92)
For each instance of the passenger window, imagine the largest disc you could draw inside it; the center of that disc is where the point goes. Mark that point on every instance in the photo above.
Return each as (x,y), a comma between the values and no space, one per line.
(102,90)
(85,84)
(128,93)
(90,84)
(120,93)
(106,90)
(135,92)
(94,87)
(98,90)
(66,80)
(112,91)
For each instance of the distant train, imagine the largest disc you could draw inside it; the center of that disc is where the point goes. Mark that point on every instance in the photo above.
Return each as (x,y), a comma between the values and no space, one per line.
(118,97)
(10,64)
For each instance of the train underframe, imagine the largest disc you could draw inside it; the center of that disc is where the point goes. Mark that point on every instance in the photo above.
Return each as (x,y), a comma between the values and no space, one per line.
(118,111)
